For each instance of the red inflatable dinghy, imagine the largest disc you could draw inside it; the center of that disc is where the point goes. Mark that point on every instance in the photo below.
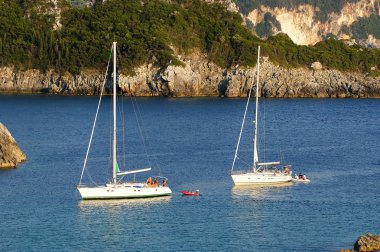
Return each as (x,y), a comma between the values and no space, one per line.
(189,193)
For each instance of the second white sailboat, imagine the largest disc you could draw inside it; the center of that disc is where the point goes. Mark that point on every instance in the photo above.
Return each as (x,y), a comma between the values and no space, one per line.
(261,172)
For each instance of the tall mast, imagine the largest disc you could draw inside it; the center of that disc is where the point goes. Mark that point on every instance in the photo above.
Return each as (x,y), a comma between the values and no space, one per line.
(255,154)
(114,162)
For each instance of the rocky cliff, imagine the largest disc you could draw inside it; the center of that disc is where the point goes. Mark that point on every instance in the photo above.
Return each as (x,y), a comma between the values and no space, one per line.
(199,77)
(10,153)
(303,26)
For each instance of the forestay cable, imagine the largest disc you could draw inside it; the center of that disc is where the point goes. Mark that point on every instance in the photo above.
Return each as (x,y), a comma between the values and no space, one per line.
(96,117)
(242,127)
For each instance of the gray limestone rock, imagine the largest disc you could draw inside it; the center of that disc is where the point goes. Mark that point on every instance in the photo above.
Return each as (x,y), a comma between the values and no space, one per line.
(197,76)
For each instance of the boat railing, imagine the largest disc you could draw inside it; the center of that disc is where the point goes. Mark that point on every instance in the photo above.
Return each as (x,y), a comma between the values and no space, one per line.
(263,172)
(83,185)
(239,172)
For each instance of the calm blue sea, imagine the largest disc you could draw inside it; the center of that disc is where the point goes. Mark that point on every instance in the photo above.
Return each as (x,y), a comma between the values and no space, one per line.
(336,142)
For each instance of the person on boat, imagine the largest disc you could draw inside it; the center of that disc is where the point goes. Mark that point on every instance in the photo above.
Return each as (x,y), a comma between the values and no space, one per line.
(164,183)
(155,182)
(149,181)
(286,169)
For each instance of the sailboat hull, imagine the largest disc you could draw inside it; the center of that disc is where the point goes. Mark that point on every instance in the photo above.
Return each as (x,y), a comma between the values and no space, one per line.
(123,192)
(251,178)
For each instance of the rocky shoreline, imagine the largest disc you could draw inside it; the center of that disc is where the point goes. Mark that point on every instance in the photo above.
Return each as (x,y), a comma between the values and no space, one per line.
(199,77)
(10,154)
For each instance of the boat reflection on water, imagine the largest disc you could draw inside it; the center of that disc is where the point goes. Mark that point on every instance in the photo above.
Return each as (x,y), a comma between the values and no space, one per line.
(121,203)
(114,215)
(259,191)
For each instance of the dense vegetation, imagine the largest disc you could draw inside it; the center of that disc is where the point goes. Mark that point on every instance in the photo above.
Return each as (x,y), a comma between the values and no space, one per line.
(147,32)
(325,6)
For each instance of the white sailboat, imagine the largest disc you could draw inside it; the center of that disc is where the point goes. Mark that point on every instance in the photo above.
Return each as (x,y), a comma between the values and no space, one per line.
(261,172)
(117,188)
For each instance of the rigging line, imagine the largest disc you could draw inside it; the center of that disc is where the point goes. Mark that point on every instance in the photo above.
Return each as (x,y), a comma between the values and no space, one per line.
(124,140)
(121,115)
(140,131)
(242,127)
(96,116)
(140,125)
(90,177)
(110,119)
(110,124)
(150,149)
(140,122)
(252,129)
(282,158)
(124,145)
(134,104)
(241,160)
(264,128)
(122,109)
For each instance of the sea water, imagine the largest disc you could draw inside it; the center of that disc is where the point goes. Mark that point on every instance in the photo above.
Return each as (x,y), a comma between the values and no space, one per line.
(335,142)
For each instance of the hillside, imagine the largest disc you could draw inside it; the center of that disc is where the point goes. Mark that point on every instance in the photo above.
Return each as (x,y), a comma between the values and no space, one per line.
(149,32)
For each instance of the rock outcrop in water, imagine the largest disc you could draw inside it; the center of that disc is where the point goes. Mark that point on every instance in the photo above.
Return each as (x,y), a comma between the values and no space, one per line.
(199,77)
(10,154)
(366,243)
